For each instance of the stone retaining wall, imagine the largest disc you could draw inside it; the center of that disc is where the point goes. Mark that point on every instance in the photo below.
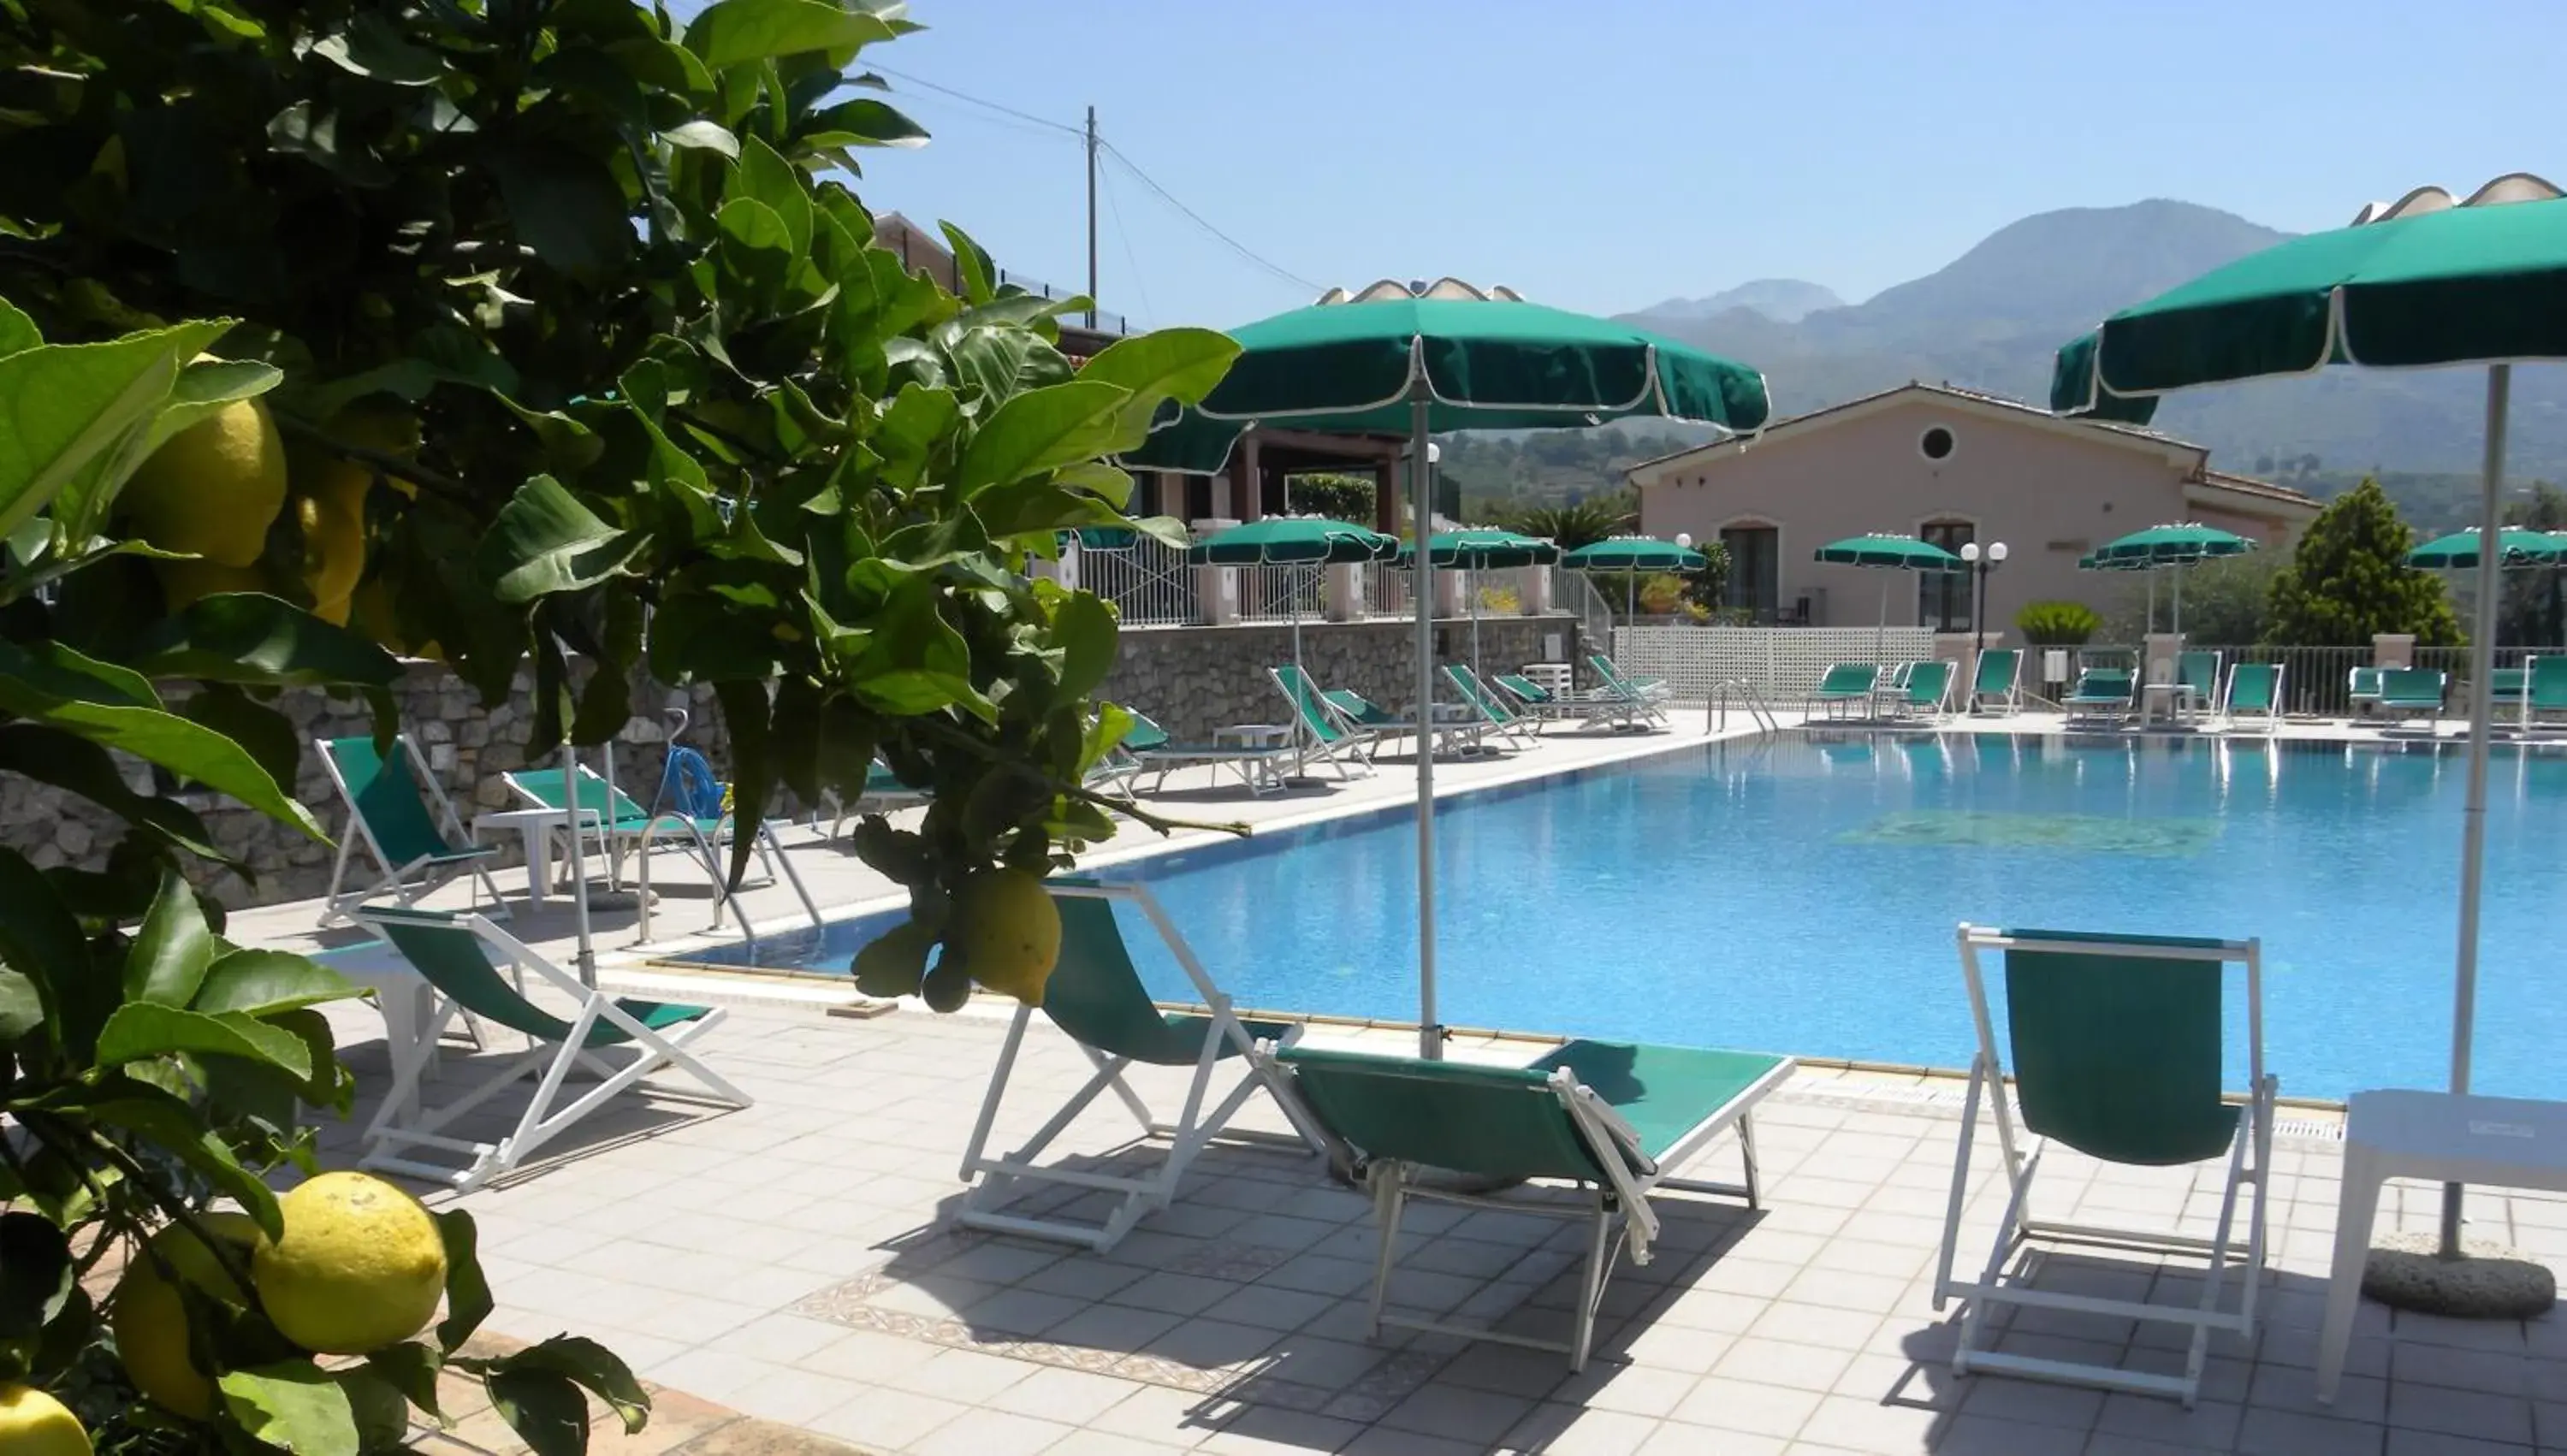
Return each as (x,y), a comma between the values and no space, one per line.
(1192,680)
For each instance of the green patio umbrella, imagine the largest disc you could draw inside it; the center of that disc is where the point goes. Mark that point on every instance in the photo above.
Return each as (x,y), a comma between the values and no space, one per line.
(1418,358)
(1480,548)
(1294,540)
(1885,552)
(1632,555)
(2516,547)
(2427,281)
(2176,545)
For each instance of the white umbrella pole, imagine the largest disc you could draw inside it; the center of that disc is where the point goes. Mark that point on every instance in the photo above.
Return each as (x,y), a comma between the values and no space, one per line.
(2179,599)
(1300,738)
(1471,583)
(2465,999)
(2152,600)
(586,960)
(1880,628)
(1430,1034)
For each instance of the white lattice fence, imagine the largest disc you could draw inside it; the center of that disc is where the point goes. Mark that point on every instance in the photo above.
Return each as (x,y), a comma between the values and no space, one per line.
(1782,663)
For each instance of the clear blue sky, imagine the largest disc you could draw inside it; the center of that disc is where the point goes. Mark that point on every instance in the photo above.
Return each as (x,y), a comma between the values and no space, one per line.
(1605,154)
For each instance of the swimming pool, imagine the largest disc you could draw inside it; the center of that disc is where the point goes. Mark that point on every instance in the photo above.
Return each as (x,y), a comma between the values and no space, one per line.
(1799,894)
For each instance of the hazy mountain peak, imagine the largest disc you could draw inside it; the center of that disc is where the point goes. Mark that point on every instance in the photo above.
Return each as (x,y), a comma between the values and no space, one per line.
(1784,300)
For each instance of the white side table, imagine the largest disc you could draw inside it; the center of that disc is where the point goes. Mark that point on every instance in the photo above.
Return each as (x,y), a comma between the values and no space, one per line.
(2500,1143)
(535,829)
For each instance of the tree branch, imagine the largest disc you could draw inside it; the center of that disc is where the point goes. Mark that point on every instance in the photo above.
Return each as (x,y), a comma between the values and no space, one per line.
(382,461)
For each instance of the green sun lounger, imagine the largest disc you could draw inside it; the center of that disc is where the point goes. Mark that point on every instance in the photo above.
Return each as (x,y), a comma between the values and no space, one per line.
(1999,681)
(2255,689)
(1544,704)
(398,811)
(1361,715)
(1320,734)
(1495,717)
(2116,1049)
(2544,689)
(1926,692)
(1611,1119)
(1097,998)
(625,827)
(2362,688)
(1148,749)
(2101,693)
(2414,692)
(453,955)
(1842,684)
(2196,678)
(1645,697)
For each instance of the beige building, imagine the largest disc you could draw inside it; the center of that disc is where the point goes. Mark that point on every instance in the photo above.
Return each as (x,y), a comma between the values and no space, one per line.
(1951,466)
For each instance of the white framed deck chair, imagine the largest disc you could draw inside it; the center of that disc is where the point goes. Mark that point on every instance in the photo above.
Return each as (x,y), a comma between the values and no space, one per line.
(1147,749)
(400,813)
(1647,698)
(1518,728)
(1320,734)
(2115,1045)
(2254,690)
(623,826)
(1999,681)
(453,955)
(1097,998)
(1611,1119)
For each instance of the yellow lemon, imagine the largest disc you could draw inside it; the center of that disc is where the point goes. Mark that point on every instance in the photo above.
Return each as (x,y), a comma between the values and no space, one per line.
(213,487)
(150,1320)
(1007,930)
(361,1266)
(333,519)
(33,1423)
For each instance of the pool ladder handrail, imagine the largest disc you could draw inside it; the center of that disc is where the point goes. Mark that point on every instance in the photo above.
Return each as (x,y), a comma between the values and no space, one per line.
(1716,707)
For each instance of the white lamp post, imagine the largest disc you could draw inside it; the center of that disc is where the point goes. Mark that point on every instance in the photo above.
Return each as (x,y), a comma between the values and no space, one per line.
(1980,564)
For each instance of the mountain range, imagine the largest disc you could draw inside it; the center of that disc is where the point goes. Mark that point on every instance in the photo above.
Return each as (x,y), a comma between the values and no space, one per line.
(1993,318)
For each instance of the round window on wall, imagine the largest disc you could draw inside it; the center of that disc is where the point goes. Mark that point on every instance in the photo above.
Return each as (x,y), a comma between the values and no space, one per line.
(1935,443)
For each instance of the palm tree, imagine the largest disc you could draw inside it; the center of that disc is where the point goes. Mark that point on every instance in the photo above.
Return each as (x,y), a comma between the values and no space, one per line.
(1571,526)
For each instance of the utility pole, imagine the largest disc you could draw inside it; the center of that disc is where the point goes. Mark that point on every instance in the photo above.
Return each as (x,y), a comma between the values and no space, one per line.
(1091,217)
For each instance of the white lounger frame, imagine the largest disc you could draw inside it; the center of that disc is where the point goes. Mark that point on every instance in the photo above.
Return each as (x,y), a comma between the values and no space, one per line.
(392,879)
(993,1179)
(2249,1156)
(1618,1211)
(388,1135)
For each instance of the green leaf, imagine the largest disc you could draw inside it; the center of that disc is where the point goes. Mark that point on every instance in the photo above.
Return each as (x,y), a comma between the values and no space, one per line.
(764,174)
(206,387)
(756,247)
(566,205)
(1168,364)
(971,261)
(294,1405)
(865,123)
(544,541)
(412,1369)
(916,662)
(372,48)
(69,762)
(704,135)
(265,734)
(99,702)
(17,331)
(174,1125)
(244,637)
(140,1032)
(1085,627)
(1113,723)
(171,949)
(261,982)
(41,941)
(37,1276)
(591,1366)
(545,1410)
(1039,430)
(745,721)
(919,421)
(64,405)
(22,1005)
(467,1293)
(737,31)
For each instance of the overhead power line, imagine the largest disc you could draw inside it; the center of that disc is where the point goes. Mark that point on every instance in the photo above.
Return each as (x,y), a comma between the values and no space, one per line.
(1198,219)
(1000,108)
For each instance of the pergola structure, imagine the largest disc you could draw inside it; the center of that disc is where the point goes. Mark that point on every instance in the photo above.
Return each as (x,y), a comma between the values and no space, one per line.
(1251,484)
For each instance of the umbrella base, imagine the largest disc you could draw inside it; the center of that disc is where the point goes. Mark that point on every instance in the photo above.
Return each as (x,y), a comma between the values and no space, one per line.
(2487,1282)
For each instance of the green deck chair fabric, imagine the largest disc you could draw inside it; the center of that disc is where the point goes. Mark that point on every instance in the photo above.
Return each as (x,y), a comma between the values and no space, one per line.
(453,960)
(2250,687)
(1097,995)
(1363,711)
(2102,685)
(1997,667)
(1663,1092)
(2118,1057)
(392,804)
(2413,688)
(2198,671)
(1491,708)
(1632,688)
(2361,684)
(1928,683)
(1846,680)
(1526,689)
(2509,686)
(1497,1121)
(2545,684)
(1308,704)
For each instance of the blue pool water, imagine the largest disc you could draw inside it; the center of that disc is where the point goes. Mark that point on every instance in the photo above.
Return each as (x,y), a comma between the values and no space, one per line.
(1801,895)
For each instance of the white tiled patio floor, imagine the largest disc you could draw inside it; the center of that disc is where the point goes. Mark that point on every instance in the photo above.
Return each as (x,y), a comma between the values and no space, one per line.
(796,1259)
